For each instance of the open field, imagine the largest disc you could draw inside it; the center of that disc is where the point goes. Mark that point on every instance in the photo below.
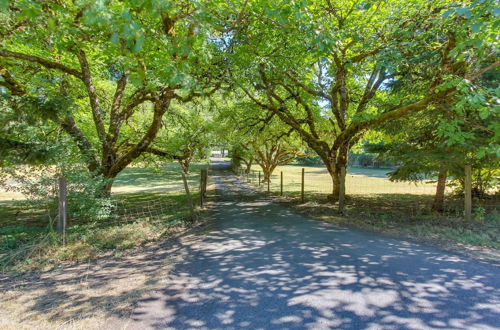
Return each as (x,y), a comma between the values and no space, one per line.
(148,205)
(359,181)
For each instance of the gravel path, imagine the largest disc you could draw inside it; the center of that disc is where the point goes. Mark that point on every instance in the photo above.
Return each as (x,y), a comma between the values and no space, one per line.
(261,266)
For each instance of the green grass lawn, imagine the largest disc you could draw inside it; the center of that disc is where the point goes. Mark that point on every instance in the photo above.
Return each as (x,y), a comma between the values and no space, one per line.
(359,181)
(148,204)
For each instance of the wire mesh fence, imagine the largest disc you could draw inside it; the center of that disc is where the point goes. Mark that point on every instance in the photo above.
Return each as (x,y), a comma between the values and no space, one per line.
(367,191)
(163,208)
(148,210)
(160,206)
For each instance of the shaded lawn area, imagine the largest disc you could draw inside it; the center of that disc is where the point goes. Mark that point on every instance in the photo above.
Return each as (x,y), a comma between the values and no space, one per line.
(136,179)
(149,204)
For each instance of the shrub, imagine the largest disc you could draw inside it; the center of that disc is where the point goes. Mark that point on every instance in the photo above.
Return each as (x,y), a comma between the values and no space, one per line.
(39,186)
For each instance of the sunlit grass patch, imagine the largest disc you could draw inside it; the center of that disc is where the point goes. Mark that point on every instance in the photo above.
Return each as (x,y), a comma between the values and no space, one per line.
(362,181)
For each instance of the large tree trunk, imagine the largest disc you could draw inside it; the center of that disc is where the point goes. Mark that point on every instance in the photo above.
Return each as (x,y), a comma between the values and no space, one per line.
(106,190)
(109,177)
(334,162)
(267,174)
(334,172)
(438,204)
(335,186)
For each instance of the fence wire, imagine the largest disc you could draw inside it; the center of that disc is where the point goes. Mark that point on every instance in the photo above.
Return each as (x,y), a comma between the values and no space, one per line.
(159,209)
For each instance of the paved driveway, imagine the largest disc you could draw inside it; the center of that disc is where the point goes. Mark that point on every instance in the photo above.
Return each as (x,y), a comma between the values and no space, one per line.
(261,266)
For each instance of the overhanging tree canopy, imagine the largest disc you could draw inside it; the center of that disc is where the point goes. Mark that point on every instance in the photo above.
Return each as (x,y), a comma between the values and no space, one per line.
(325,68)
(112,61)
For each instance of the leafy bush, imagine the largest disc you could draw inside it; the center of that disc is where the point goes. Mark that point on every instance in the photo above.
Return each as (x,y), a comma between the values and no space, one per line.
(39,186)
(85,196)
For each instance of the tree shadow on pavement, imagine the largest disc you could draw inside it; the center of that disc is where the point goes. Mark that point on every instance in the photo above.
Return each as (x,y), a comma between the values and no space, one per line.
(261,266)
(264,267)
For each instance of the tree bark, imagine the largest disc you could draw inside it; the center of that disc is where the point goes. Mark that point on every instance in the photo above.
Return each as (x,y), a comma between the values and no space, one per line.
(438,204)
(248,166)
(334,161)
(267,174)
(185,162)
(106,190)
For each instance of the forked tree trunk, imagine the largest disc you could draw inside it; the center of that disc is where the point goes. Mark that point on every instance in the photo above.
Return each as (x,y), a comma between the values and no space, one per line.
(272,157)
(438,204)
(185,164)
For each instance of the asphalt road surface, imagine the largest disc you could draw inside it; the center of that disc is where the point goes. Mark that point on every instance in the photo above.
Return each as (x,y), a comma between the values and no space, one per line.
(261,266)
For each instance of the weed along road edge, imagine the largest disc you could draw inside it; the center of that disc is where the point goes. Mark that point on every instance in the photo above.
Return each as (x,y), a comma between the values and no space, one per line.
(261,266)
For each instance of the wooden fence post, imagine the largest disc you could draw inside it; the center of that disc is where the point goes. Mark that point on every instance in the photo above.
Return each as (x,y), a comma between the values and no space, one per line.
(468,193)
(342,190)
(205,182)
(188,196)
(61,223)
(281,183)
(203,186)
(302,187)
(259,178)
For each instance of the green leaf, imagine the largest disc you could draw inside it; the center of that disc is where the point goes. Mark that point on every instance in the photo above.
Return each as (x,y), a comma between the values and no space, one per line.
(138,44)
(51,23)
(484,113)
(476,27)
(4,5)
(464,12)
(447,13)
(115,38)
